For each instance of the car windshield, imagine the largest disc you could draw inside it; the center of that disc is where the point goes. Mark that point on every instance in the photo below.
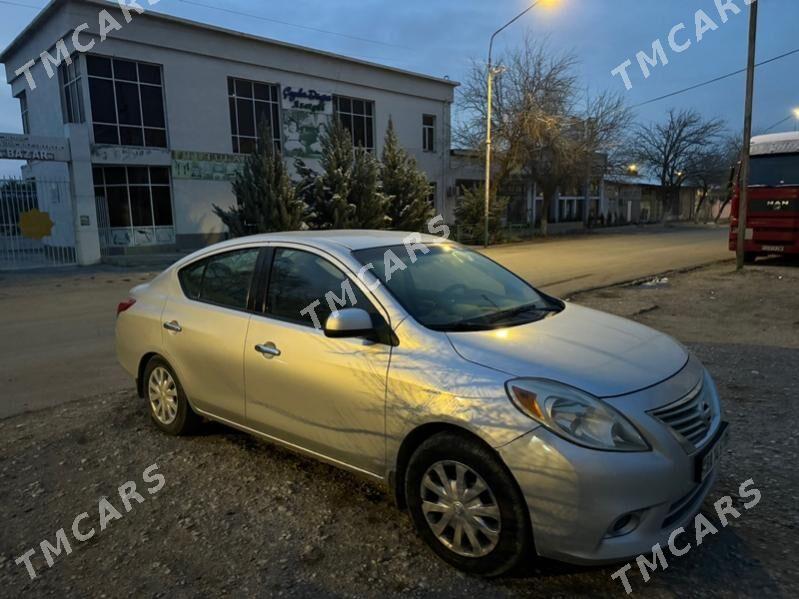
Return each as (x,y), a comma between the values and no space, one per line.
(775,170)
(450,288)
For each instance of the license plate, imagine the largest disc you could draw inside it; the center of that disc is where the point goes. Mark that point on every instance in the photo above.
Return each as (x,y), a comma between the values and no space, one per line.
(773,248)
(711,455)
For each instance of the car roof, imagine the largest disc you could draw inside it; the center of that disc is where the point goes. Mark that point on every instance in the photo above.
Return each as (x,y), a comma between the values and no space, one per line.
(336,241)
(349,239)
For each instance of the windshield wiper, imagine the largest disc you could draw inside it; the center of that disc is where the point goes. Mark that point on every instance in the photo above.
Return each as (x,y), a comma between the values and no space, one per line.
(518,311)
(461,327)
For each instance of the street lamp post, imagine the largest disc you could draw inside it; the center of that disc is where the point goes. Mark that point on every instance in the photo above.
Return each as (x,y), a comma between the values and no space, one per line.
(491,73)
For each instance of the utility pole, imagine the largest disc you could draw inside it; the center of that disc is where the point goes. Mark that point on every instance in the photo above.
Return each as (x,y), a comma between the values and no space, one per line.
(743,201)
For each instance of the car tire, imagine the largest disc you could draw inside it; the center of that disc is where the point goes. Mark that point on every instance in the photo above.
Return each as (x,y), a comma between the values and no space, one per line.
(500,534)
(750,257)
(167,403)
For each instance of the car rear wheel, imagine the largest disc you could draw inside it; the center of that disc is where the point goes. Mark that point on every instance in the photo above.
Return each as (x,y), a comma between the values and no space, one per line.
(466,505)
(169,408)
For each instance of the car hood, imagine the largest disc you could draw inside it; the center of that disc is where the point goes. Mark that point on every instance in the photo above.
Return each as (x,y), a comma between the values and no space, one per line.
(597,352)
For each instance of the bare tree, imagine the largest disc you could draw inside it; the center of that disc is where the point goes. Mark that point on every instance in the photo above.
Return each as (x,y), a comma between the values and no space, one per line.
(670,149)
(733,148)
(710,169)
(544,126)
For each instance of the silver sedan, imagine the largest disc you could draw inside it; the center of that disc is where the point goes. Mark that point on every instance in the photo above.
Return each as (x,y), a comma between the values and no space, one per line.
(507,422)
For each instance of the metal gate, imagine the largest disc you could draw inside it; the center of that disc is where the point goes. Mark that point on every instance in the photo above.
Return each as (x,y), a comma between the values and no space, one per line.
(36,224)
(103,226)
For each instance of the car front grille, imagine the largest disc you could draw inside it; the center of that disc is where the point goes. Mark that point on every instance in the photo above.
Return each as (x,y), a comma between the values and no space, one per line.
(689,417)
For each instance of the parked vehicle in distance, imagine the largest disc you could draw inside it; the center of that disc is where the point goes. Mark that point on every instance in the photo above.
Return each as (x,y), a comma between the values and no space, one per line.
(772,219)
(507,422)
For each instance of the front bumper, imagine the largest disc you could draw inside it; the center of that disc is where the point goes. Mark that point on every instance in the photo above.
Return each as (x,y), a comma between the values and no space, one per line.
(575,495)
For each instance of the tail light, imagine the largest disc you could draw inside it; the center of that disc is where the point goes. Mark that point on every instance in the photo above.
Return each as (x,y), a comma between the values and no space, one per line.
(122,306)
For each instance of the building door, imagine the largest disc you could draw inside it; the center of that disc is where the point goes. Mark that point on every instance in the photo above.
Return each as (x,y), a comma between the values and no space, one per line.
(134,206)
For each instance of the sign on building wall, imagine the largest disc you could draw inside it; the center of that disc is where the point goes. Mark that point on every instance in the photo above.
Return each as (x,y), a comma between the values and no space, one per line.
(29,147)
(111,154)
(206,166)
(306,113)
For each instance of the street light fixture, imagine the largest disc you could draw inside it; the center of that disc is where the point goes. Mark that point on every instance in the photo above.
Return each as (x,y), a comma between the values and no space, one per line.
(491,73)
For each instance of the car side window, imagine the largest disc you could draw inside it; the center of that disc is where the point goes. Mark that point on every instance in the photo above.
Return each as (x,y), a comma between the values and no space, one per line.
(300,278)
(223,279)
(191,279)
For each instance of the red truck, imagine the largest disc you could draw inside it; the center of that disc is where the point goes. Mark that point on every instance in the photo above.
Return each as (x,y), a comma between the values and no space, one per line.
(772,222)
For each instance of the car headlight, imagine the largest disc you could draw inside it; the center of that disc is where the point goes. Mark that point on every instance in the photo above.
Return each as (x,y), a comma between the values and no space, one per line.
(575,415)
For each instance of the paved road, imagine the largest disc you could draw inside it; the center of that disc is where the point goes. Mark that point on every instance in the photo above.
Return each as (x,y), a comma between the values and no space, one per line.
(564,266)
(56,328)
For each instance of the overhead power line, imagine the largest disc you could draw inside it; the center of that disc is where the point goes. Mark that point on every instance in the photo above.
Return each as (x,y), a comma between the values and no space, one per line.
(778,123)
(258,17)
(296,25)
(20,4)
(715,79)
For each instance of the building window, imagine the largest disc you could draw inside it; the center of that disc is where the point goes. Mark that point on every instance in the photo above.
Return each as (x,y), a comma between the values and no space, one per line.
(429,133)
(23,109)
(71,91)
(431,197)
(252,105)
(127,102)
(137,198)
(357,116)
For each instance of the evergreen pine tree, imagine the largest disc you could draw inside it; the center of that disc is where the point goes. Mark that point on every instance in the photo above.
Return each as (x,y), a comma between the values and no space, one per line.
(330,192)
(371,204)
(405,185)
(266,198)
(346,194)
(470,216)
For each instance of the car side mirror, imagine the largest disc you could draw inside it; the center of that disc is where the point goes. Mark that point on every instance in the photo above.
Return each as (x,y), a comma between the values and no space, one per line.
(349,322)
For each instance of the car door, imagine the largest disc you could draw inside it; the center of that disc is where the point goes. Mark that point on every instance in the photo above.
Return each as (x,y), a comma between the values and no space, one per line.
(205,327)
(324,395)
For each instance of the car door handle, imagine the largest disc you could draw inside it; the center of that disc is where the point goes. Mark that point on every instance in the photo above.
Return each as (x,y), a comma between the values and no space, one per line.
(173,326)
(267,349)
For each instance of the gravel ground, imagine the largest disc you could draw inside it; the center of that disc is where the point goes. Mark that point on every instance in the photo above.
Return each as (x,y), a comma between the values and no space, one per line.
(238,517)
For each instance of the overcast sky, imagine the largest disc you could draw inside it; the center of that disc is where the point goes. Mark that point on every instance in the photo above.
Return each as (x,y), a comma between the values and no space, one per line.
(441,37)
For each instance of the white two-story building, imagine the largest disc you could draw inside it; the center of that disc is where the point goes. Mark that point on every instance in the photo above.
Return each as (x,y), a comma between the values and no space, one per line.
(158,115)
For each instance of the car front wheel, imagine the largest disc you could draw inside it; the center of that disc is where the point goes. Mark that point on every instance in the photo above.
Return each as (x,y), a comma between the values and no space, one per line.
(466,505)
